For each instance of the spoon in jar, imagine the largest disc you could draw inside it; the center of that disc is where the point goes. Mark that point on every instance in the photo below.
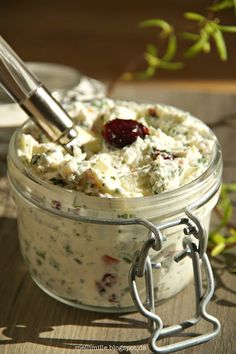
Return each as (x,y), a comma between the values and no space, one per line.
(27,90)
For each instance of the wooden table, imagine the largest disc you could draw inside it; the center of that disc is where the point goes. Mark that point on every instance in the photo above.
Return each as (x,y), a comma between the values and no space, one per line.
(32,322)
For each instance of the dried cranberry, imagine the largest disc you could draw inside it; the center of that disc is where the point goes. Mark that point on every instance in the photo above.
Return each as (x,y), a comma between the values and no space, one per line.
(100,287)
(108,280)
(56,204)
(164,154)
(123,132)
(109,260)
(152,112)
(113,298)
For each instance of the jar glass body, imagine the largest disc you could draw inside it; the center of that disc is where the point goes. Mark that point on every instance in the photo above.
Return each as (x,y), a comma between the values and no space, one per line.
(82,262)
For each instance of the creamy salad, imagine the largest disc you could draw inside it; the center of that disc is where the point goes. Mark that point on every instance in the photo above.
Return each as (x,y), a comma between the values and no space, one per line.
(123,149)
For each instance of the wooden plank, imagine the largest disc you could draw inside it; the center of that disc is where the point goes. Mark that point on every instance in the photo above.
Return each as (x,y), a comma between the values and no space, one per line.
(173,86)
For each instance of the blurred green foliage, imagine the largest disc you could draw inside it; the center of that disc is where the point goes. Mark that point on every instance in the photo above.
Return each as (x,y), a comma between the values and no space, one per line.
(208,33)
(223,236)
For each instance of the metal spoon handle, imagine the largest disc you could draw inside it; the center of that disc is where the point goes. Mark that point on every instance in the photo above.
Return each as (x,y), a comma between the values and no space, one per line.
(27,90)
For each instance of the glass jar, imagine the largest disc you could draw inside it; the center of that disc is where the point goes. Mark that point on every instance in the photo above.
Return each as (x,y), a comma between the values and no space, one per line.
(79,248)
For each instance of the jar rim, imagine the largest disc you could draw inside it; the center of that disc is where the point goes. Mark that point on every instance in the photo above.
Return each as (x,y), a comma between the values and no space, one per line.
(182,192)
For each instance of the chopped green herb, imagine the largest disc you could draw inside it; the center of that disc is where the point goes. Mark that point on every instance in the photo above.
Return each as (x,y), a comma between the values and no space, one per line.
(202,160)
(77,260)
(127,259)
(97,103)
(41,254)
(35,159)
(57,181)
(39,262)
(54,264)
(68,249)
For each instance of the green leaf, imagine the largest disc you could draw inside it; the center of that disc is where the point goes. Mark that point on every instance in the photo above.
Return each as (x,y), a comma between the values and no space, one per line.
(225,4)
(150,71)
(230,240)
(229,187)
(151,60)
(217,238)
(152,49)
(232,270)
(194,16)
(198,46)
(226,240)
(190,36)
(206,48)
(171,48)
(144,75)
(231,29)
(127,76)
(220,44)
(232,232)
(157,22)
(224,187)
(170,65)
(210,27)
(227,209)
(217,249)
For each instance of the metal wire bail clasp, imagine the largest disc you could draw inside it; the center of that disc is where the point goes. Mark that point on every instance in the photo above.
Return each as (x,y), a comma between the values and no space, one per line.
(141,266)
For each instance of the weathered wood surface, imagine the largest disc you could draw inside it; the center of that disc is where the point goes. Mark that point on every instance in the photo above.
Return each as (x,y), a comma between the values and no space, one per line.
(32,322)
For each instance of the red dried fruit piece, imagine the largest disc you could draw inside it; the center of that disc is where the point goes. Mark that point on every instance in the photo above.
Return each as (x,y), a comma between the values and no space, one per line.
(108,280)
(56,204)
(100,288)
(109,260)
(165,155)
(123,132)
(113,298)
(152,112)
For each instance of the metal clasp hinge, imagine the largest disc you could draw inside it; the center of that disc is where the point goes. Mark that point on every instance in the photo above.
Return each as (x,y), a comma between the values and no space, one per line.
(142,266)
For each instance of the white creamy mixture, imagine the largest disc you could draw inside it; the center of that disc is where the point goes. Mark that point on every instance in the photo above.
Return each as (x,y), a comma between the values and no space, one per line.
(175,151)
(88,264)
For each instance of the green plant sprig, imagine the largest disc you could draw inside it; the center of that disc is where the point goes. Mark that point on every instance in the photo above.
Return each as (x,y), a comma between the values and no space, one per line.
(151,56)
(223,236)
(208,30)
(222,5)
